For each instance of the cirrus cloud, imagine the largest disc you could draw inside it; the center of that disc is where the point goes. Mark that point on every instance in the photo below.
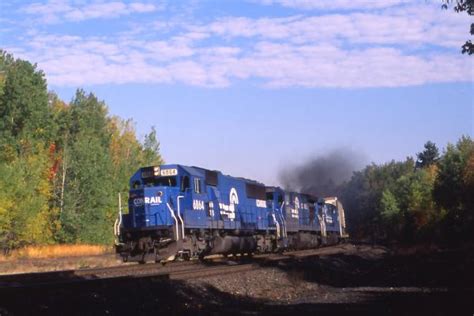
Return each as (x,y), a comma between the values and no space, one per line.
(406,45)
(55,11)
(334,4)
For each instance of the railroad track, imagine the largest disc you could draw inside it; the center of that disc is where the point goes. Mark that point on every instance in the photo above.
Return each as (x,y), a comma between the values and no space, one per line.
(175,271)
(182,272)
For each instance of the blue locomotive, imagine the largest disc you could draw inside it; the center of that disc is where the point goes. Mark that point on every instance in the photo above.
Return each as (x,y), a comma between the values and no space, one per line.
(176,211)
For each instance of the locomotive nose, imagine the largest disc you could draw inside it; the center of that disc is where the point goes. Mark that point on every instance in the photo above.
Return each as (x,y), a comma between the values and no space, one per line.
(149,207)
(155,207)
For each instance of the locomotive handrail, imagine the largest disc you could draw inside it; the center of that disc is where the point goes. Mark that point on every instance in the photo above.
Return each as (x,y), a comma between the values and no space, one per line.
(285,234)
(118,221)
(277,226)
(340,224)
(175,220)
(179,215)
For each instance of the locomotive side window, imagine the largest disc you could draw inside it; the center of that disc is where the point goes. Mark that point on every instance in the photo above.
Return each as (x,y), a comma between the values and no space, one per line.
(255,191)
(280,199)
(269,196)
(185,183)
(197,185)
(211,178)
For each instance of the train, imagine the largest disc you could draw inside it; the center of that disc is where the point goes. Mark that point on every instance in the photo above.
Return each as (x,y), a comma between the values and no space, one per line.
(178,212)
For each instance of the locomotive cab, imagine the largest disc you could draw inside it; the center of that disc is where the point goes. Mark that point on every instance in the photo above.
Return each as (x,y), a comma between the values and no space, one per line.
(155,216)
(151,197)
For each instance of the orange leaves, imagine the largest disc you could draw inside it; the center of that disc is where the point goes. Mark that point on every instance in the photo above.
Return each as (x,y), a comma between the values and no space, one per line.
(55,161)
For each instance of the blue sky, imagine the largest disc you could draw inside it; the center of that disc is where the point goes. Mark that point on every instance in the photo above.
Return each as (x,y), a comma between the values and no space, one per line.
(251,87)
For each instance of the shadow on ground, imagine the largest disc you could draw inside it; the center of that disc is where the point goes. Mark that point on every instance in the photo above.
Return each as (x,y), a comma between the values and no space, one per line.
(448,268)
(154,296)
(373,277)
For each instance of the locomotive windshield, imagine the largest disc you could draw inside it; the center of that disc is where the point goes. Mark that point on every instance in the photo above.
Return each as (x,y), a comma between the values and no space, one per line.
(161,182)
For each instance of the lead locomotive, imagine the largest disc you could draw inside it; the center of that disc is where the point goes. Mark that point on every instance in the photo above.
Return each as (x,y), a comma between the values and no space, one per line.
(175,211)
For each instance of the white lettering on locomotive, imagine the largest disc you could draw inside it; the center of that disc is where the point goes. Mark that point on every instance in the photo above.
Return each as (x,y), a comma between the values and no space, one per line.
(295,209)
(261,203)
(229,210)
(154,200)
(211,209)
(198,205)
(169,172)
(329,219)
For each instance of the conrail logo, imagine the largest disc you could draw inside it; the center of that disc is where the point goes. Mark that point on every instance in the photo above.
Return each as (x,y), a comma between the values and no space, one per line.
(154,200)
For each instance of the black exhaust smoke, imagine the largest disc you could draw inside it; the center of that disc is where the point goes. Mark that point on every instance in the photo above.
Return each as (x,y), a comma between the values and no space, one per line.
(323,175)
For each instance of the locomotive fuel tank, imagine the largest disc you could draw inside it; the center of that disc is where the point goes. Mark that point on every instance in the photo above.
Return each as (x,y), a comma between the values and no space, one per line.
(231,245)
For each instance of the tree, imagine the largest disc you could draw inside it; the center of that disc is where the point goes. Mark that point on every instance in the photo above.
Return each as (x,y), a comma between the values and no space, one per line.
(449,186)
(87,214)
(390,212)
(23,100)
(429,156)
(363,195)
(152,149)
(61,165)
(126,153)
(468,7)
(25,131)
(25,192)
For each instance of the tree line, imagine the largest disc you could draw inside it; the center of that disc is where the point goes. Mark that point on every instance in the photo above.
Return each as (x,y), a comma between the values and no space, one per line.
(430,199)
(61,164)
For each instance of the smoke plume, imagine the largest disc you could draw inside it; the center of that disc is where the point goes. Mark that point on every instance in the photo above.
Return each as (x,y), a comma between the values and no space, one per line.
(323,175)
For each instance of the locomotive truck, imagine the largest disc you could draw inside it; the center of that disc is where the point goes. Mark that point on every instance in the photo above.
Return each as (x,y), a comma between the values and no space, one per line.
(182,212)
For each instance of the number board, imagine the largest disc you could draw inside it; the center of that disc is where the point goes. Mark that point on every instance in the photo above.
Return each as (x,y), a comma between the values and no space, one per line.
(169,172)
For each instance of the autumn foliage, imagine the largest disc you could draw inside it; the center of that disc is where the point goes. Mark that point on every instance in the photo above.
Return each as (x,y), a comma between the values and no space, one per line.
(62,164)
(428,200)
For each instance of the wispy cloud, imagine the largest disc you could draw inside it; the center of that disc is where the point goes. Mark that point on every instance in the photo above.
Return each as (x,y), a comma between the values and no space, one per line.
(408,26)
(55,11)
(406,45)
(334,4)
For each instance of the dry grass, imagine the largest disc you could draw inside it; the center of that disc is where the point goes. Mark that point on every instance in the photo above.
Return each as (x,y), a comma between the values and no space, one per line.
(56,251)
(57,258)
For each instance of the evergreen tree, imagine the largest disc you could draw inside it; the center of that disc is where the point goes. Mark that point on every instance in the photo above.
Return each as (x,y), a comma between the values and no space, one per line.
(429,156)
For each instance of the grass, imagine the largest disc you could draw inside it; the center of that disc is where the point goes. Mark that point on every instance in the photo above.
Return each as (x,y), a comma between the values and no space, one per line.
(57,258)
(56,251)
